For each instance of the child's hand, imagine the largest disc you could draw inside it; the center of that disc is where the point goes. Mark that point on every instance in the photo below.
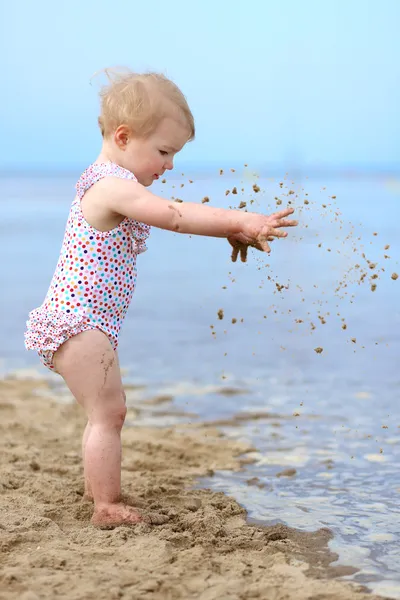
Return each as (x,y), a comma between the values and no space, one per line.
(257,231)
(241,247)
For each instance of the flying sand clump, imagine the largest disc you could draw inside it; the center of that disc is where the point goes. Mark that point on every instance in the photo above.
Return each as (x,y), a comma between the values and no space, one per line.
(359,269)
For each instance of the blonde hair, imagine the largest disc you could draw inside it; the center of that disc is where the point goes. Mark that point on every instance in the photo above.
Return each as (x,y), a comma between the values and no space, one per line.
(141,101)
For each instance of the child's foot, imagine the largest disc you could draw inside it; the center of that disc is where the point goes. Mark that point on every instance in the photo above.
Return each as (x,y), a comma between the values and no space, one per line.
(113,515)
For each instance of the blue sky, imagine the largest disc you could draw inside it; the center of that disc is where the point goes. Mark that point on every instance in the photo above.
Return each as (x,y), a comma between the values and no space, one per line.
(315,81)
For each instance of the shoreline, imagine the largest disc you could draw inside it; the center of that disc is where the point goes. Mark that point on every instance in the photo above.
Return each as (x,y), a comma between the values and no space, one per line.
(207,550)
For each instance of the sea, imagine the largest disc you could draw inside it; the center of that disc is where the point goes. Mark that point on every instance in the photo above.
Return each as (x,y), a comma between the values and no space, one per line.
(295,353)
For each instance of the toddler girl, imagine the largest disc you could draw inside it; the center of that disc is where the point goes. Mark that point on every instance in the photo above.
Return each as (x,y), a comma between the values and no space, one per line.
(145,121)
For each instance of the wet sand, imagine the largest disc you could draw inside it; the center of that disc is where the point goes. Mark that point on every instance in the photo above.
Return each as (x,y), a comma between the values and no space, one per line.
(207,550)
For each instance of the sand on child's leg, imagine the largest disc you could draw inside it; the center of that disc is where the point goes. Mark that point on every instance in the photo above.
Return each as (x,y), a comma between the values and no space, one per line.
(89,366)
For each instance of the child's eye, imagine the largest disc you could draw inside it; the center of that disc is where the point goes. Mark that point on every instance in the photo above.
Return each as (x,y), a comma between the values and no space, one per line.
(163,152)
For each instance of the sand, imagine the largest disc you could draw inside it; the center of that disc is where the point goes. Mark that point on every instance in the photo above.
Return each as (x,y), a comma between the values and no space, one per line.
(207,550)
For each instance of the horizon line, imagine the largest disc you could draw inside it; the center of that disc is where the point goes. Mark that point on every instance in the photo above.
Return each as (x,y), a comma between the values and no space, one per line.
(231,169)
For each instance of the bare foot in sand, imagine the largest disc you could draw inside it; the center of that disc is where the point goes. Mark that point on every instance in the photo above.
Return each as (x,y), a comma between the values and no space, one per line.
(113,515)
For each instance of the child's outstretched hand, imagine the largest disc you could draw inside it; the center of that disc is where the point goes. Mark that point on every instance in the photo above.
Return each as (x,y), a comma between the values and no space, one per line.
(257,230)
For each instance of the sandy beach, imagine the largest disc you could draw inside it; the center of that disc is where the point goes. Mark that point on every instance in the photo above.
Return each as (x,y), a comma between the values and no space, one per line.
(207,550)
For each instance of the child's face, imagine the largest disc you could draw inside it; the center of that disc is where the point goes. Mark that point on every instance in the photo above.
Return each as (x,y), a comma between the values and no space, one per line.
(148,158)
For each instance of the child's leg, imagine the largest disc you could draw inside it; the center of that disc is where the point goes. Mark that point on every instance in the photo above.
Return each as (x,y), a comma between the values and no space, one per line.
(90,368)
(88,494)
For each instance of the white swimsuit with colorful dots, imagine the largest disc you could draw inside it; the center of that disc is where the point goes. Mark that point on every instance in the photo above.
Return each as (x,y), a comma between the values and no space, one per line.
(94,279)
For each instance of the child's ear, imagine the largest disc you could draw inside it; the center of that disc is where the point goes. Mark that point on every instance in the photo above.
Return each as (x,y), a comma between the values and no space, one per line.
(121,137)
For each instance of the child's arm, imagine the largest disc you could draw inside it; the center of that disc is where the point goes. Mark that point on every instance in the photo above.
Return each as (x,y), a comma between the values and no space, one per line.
(131,199)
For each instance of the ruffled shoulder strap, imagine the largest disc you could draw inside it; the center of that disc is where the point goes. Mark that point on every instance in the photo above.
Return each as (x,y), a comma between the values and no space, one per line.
(98,171)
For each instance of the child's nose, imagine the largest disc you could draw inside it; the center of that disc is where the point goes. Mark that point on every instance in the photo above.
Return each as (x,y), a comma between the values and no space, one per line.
(169,164)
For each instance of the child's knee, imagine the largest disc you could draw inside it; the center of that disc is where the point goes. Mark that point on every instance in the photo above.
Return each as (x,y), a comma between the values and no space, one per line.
(110,410)
(117,417)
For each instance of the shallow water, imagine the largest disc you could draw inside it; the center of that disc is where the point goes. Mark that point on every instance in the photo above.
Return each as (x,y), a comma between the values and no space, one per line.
(334,417)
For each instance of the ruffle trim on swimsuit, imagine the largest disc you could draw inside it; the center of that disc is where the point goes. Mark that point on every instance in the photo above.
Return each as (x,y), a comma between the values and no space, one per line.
(49,329)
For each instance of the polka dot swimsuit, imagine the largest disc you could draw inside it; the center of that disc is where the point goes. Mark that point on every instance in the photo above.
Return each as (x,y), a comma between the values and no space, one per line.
(94,279)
